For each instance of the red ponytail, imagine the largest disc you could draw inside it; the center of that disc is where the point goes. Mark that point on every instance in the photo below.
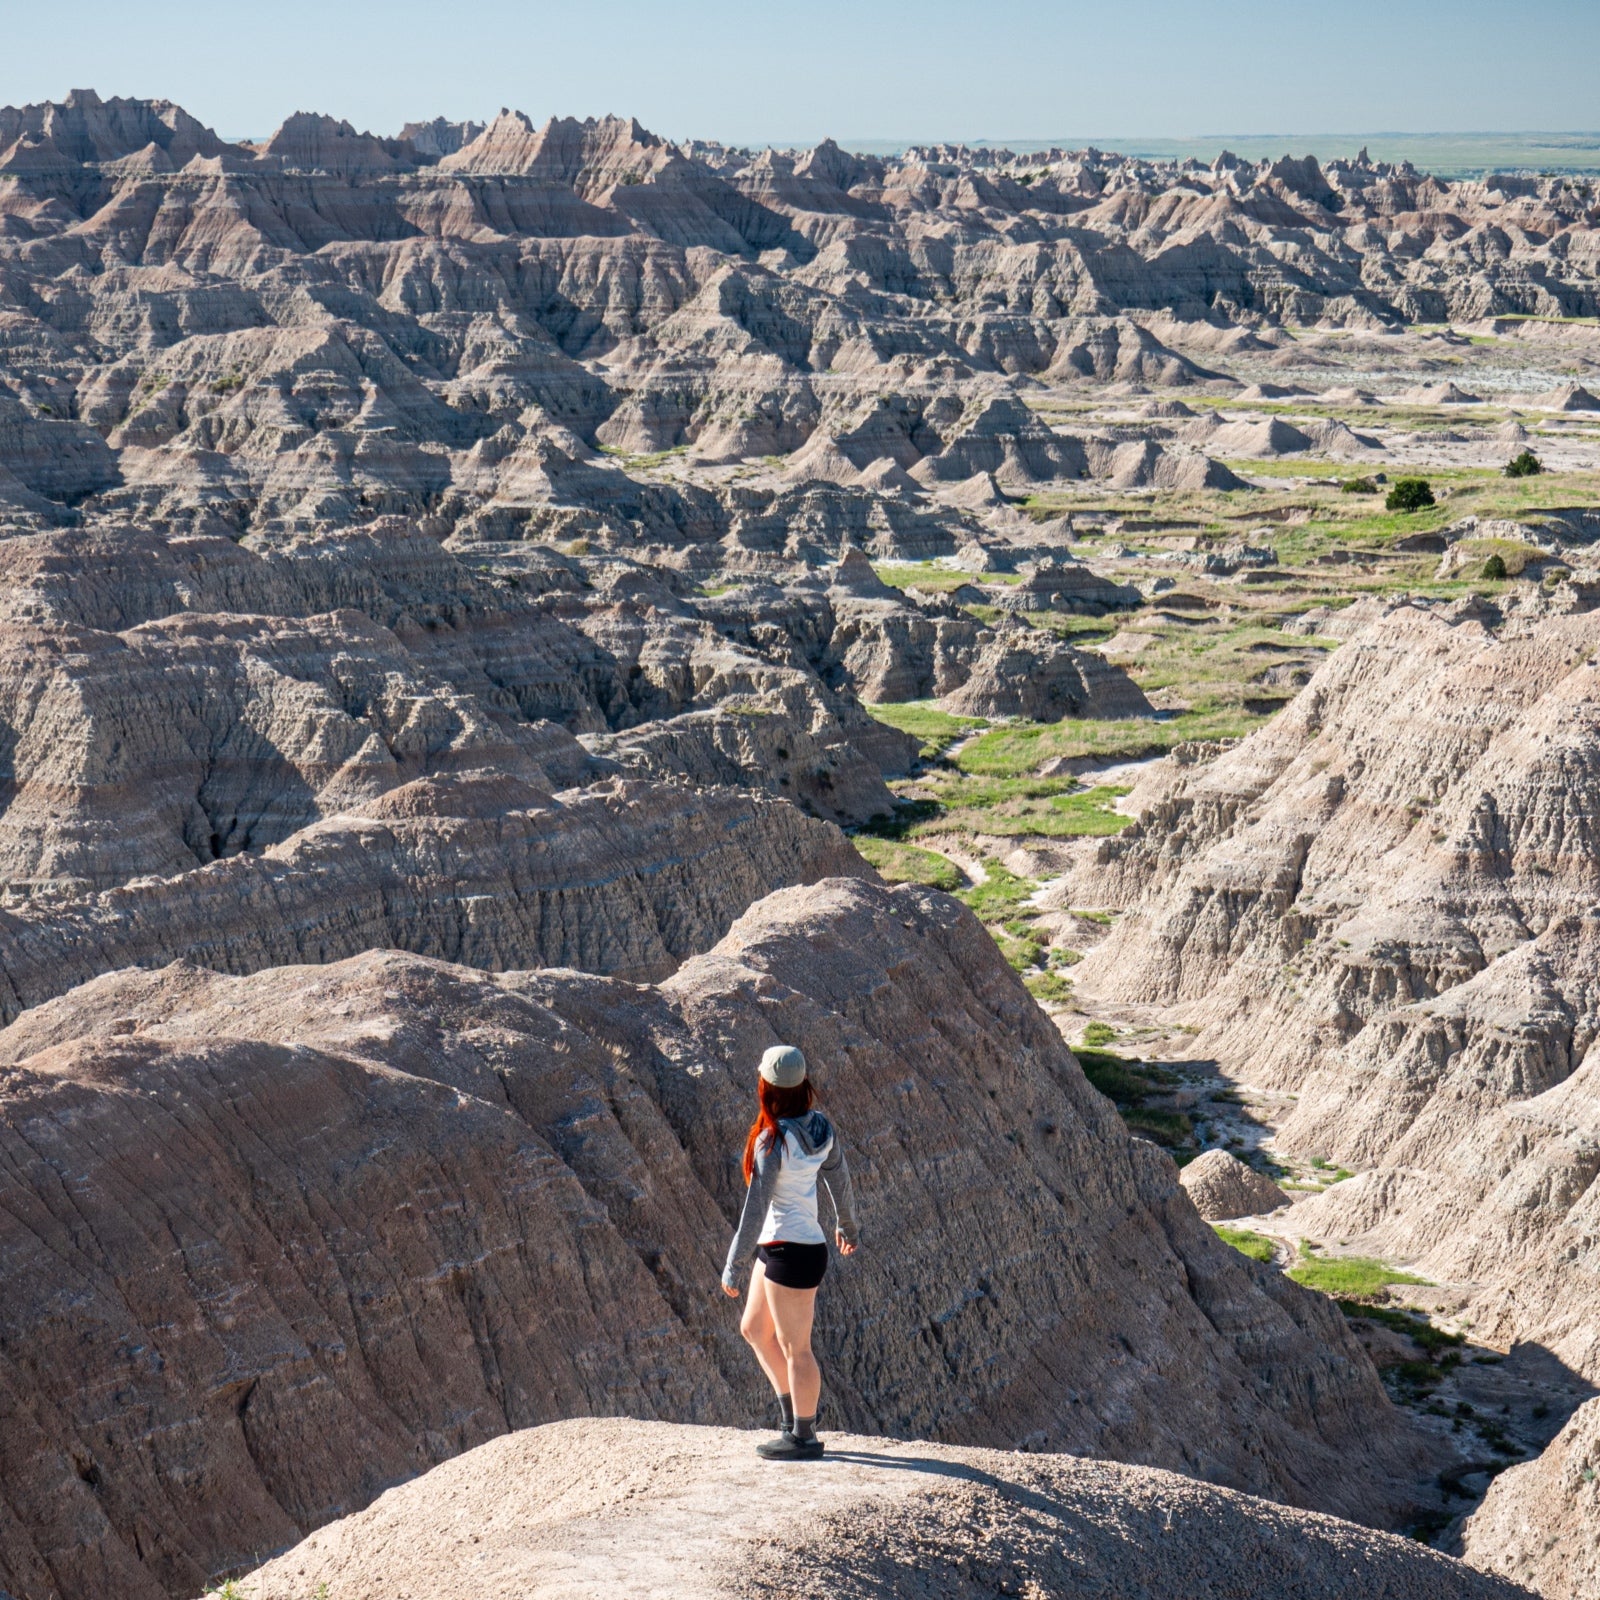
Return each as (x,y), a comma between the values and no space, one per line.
(772,1104)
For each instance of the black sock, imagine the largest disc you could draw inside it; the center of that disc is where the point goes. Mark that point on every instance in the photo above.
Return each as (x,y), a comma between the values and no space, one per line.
(805,1428)
(786,1406)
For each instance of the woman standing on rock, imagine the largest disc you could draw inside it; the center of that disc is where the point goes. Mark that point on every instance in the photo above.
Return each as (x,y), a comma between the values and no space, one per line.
(791,1145)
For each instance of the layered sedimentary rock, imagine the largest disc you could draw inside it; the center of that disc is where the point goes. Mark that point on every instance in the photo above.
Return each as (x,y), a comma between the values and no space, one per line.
(1385,901)
(540,1511)
(332,324)
(1028,672)
(1539,1525)
(627,877)
(330,1225)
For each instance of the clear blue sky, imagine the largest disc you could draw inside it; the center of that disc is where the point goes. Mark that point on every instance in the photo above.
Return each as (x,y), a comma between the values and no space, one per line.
(754,73)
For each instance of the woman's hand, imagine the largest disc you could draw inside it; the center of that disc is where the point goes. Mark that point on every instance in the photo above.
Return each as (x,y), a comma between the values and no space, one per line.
(845,1246)
(732,1294)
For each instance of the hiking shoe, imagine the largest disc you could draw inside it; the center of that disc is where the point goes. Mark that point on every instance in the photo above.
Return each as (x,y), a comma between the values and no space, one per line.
(788,1448)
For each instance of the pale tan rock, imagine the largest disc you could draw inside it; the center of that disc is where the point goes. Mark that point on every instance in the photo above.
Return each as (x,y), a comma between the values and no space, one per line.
(1222,1186)
(1539,1524)
(598,1508)
(330,1225)
(1028,672)
(629,878)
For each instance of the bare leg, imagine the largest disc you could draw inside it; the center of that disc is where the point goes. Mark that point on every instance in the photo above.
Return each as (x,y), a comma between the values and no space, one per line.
(761,1336)
(791,1312)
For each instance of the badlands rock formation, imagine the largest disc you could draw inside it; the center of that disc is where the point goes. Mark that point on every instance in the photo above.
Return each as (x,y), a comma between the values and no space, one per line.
(275,1243)
(330,325)
(1384,901)
(593,1509)
(443,581)
(1540,1524)
(1222,1186)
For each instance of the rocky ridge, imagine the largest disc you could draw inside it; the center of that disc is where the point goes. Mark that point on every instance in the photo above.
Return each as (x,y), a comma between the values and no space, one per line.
(599,1508)
(1538,1525)
(273,1321)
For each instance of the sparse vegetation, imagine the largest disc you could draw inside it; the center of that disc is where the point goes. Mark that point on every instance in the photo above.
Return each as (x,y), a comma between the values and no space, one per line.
(922,719)
(1001,891)
(1524,465)
(1358,486)
(1411,1323)
(1049,987)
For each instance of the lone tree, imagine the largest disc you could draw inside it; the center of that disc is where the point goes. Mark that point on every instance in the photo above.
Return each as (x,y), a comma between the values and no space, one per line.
(1526,465)
(1409,494)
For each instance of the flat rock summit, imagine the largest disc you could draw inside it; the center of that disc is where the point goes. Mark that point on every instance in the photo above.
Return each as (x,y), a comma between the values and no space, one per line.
(504,621)
(602,1508)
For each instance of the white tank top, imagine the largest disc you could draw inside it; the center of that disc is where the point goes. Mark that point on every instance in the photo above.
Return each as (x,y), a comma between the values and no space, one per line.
(792,1212)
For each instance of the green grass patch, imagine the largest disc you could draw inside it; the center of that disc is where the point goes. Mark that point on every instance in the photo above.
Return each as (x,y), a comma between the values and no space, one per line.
(1089,813)
(1114,1076)
(1050,987)
(1098,1034)
(922,719)
(1171,1128)
(1255,1245)
(932,579)
(1356,1278)
(1012,752)
(1432,1339)
(908,863)
(999,895)
(1022,955)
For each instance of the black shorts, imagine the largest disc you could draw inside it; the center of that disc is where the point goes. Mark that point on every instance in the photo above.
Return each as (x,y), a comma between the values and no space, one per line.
(794,1266)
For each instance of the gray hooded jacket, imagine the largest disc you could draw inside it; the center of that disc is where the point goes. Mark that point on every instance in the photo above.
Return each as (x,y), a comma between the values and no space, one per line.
(781,1202)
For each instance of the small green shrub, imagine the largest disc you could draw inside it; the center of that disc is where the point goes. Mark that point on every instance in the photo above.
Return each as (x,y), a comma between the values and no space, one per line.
(1494,567)
(1098,1034)
(1358,486)
(1525,465)
(1255,1245)
(1409,494)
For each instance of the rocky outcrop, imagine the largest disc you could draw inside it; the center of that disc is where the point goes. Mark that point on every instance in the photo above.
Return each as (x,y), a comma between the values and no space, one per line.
(333,324)
(1222,1186)
(331,1225)
(1539,1525)
(627,878)
(872,1522)
(1067,586)
(1384,901)
(1029,672)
